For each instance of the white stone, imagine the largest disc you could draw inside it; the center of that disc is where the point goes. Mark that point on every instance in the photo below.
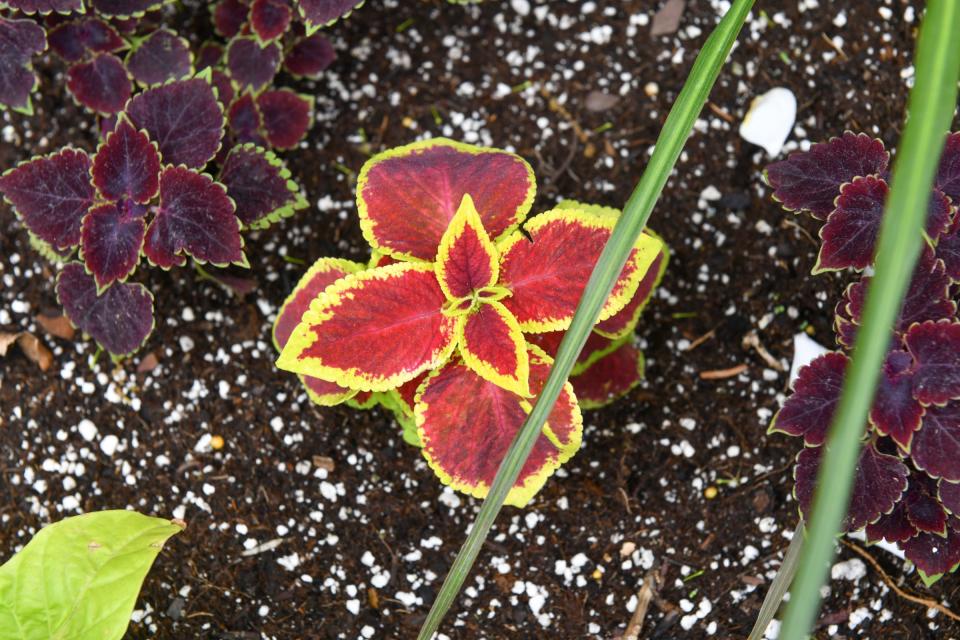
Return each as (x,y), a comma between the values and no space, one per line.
(805,351)
(770,120)
(87,430)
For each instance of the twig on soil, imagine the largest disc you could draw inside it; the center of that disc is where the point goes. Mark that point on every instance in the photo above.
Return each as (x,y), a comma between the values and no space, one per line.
(643,603)
(787,222)
(720,374)
(720,111)
(261,548)
(752,341)
(833,45)
(699,341)
(932,604)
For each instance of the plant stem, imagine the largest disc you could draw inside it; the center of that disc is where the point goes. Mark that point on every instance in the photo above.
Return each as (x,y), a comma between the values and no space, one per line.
(930,110)
(675,132)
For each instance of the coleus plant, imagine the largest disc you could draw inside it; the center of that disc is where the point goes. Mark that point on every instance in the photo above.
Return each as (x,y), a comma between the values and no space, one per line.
(907,487)
(114,47)
(144,193)
(453,322)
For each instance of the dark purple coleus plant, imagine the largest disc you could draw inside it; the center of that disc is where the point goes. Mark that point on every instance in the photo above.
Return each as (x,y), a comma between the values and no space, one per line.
(115,47)
(907,486)
(143,194)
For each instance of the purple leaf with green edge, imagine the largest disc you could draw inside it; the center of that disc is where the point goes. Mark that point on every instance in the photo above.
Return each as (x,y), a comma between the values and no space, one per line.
(923,509)
(927,298)
(44,7)
(895,412)
(948,173)
(844,328)
(20,40)
(260,185)
(935,347)
(111,243)
(310,56)
(245,121)
(949,494)
(229,17)
(209,55)
(850,234)
(320,13)
(161,56)
(51,194)
(251,64)
(879,483)
(120,320)
(74,39)
(810,180)
(935,555)
(126,8)
(224,86)
(127,165)
(893,527)
(948,250)
(809,411)
(101,85)
(183,117)
(106,124)
(269,19)
(286,116)
(195,217)
(936,446)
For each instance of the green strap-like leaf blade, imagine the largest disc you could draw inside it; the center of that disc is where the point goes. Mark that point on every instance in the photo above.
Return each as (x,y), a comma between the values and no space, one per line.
(675,131)
(930,109)
(78,579)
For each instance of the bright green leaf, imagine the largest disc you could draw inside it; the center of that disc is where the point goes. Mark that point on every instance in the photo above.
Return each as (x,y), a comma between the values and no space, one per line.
(78,579)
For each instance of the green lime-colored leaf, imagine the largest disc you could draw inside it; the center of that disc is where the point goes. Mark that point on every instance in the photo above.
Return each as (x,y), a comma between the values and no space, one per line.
(78,579)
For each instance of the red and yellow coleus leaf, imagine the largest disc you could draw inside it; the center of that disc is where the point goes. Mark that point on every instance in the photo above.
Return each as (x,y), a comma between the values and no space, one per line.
(466,425)
(407,196)
(626,320)
(467,259)
(322,274)
(373,330)
(547,274)
(492,344)
(610,377)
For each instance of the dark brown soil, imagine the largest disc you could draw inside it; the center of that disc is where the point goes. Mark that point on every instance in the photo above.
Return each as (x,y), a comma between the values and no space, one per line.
(739,264)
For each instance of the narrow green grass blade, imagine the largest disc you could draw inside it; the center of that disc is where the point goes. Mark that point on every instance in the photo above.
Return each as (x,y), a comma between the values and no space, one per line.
(781,583)
(930,111)
(675,131)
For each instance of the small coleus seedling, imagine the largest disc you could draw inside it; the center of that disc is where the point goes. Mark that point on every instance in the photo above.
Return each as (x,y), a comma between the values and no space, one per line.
(907,486)
(454,321)
(143,193)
